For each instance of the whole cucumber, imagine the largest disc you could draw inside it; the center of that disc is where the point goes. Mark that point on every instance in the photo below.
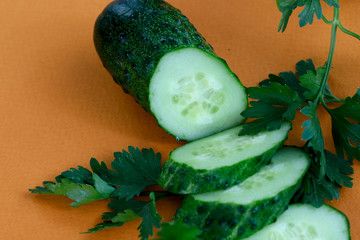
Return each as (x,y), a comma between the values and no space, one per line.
(157,56)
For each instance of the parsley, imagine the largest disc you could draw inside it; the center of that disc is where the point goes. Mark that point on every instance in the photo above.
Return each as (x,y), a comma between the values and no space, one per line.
(345,127)
(279,98)
(127,210)
(76,189)
(276,103)
(311,81)
(315,188)
(311,8)
(133,171)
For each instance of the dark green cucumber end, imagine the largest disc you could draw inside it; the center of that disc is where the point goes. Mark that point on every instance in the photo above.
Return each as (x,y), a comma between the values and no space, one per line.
(131,36)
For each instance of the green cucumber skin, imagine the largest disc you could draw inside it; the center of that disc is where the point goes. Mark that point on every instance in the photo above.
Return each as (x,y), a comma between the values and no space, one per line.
(131,36)
(183,179)
(220,221)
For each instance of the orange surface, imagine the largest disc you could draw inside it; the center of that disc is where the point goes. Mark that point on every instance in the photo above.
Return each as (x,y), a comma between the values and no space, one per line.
(59,107)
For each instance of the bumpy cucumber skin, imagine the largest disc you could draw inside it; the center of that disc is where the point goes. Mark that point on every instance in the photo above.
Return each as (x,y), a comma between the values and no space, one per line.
(230,221)
(131,36)
(226,221)
(180,178)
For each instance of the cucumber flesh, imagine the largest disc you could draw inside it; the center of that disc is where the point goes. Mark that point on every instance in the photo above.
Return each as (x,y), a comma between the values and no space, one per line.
(228,148)
(288,164)
(244,209)
(193,94)
(219,161)
(305,222)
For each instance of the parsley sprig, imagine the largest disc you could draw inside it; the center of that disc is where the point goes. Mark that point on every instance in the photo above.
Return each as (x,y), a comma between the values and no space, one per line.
(280,98)
(311,8)
(132,171)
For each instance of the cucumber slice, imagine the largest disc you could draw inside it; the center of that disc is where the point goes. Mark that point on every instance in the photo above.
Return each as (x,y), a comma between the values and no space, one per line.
(243,209)
(219,161)
(193,94)
(158,57)
(305,222)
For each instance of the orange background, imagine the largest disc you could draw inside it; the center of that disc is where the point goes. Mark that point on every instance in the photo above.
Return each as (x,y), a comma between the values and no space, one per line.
(59,107)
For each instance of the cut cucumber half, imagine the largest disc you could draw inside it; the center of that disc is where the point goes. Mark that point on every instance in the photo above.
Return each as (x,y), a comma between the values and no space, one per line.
(157,56)
(243,209)
(219,161)
(305,222)
(193,94)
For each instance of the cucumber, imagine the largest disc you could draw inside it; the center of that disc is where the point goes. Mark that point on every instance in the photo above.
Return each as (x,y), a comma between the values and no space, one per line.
(305,222)
(243,209)
(219,161)
(158,57)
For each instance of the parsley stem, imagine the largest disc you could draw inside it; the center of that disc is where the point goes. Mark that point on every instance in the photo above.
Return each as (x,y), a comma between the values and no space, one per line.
(319,97)
(348,31)
(325,20)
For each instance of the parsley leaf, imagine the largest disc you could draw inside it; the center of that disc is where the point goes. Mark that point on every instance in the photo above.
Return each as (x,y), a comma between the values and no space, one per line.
(312,131)
(338,169)
(75,188)
(276,103)
(313,134)
(124,211)
(345,127)
(312,81)
(127,210)
(104,225)
(179,231)
(302,67)
(134,171)
(286,78)
(312,7)
(150,218)
(316,188)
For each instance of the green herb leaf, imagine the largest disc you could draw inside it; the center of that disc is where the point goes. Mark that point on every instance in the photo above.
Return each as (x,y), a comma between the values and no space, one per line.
(313,135)
(150,219)
(346,128)
(134,171)
(114,219)
(288,79)
(179,231)
(312,7)
(127,210)
(312,132)
(80,175)
(276,103)
(75,188)
(316,188)
(104,225)
(338,170)
(302,67)
(312,81)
